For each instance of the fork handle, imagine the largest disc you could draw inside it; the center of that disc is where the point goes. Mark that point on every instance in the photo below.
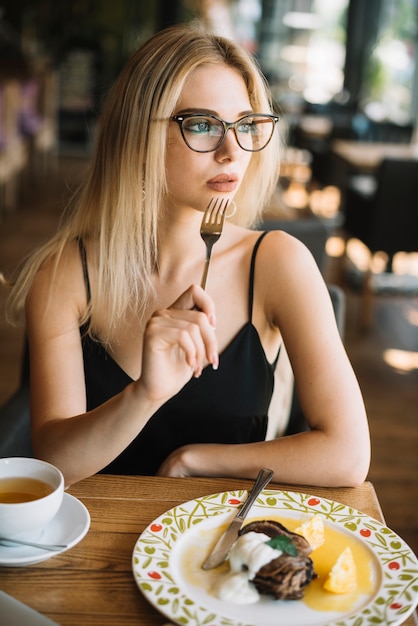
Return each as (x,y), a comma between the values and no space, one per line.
(209,246)
(205,274)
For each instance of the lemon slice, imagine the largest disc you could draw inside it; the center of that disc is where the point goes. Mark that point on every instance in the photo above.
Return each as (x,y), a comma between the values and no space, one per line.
(343,575)
(313,531)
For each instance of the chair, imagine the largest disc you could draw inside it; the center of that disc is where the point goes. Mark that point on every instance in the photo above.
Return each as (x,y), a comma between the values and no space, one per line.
(15,437)
(386,220)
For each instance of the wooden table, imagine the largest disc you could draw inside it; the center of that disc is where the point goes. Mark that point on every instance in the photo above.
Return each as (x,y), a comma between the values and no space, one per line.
(367,155)
(92,584)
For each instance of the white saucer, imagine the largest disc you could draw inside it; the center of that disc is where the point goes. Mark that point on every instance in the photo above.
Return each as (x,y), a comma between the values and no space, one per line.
(68,527)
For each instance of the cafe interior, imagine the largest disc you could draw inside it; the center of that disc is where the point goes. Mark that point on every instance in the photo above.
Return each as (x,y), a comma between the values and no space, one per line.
(344,80)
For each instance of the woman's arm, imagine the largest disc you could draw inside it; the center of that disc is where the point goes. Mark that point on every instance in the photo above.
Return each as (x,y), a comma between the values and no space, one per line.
(292,296)
(177,342)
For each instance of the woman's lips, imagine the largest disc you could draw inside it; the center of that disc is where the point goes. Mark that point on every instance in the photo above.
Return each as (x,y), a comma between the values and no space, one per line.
(223,182)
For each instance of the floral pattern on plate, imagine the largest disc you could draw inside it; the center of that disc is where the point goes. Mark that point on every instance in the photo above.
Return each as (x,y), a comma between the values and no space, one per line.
(157,575)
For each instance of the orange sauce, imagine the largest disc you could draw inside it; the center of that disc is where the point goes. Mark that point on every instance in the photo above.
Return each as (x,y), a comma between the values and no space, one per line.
(200,542)
(324,558)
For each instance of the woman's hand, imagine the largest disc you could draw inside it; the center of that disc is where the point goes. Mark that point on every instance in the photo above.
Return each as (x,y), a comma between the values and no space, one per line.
(175,464)
(212,459)
(195,459)
(178,343)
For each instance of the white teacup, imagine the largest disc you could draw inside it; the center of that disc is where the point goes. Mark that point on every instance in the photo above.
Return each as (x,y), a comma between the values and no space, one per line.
(31,493)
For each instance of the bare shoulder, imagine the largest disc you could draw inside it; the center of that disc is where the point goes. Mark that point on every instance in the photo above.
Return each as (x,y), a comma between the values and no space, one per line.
(286,277)
(58,290)
(281,251)
(279,254)
(61,268)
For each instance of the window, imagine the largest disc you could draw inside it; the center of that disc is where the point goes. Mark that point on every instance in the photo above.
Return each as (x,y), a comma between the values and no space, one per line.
(302,49)
(388,86)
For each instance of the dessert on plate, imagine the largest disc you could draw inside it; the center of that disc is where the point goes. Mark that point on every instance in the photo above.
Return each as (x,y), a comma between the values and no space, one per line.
(267,559)
(291,569)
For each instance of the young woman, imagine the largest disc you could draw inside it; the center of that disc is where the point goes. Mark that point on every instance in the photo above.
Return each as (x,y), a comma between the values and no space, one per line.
(135,369)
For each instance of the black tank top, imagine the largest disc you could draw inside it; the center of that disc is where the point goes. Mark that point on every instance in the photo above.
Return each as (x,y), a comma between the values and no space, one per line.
(229,405)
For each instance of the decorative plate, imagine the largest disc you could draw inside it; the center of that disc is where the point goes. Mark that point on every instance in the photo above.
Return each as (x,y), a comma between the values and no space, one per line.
(167,560)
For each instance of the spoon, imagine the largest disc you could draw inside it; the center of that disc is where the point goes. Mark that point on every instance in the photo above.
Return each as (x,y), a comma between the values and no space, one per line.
(9,543)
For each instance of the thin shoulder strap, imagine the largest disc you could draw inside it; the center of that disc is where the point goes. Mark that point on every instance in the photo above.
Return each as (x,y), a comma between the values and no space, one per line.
(83,255)
(252,266)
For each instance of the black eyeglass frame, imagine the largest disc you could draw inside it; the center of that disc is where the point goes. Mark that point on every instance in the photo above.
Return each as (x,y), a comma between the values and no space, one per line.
(226,126)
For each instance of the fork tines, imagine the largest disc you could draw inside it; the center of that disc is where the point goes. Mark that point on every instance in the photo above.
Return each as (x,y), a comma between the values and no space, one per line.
(215,212)
(211,229)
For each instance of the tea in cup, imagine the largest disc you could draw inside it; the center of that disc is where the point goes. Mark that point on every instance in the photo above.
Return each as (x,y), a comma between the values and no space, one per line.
(31,493)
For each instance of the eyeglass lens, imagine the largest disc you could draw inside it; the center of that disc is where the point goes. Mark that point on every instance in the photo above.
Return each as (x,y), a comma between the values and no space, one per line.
(206,133)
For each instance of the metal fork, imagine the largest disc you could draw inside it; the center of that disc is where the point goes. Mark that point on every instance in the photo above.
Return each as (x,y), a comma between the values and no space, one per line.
(211,229)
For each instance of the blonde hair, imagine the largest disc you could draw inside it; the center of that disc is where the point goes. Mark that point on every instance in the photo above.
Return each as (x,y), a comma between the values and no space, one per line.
(119,206)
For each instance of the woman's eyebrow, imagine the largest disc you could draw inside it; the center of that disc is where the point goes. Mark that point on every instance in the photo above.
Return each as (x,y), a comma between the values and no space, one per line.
(210,112)
(196,110)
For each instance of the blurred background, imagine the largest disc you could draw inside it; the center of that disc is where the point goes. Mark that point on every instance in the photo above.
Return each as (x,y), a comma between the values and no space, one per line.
(344,77)
(353,62)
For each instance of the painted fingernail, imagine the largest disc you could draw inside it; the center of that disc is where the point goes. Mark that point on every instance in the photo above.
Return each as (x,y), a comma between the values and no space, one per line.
(212,320)
(215,361)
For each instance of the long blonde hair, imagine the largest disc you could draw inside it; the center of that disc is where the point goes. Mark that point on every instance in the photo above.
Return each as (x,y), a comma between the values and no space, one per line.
(119,206)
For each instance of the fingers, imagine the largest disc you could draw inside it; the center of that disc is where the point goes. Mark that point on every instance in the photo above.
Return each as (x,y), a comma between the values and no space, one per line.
(178,342)
(200,305)
(197,298)
(189,332)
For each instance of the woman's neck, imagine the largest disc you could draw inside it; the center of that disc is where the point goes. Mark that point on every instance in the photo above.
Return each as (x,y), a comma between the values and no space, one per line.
(181,248)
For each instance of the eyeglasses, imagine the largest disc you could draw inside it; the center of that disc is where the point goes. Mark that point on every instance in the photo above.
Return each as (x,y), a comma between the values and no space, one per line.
(204,132)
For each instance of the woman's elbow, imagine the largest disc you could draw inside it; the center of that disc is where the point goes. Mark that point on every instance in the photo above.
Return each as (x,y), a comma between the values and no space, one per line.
(353,465)
(355,478)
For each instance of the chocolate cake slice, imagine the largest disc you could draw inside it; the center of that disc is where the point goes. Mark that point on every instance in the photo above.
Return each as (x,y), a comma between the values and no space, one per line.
(286,577)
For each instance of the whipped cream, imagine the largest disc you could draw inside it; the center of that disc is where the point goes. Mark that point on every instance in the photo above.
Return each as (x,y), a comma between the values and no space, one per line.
(236,588)
(247,556)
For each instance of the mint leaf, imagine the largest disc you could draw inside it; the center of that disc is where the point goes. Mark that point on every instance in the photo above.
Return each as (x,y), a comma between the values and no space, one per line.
(284,544)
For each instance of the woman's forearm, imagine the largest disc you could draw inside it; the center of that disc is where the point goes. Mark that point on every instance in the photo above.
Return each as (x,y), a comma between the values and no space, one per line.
(82,445)
(310,458)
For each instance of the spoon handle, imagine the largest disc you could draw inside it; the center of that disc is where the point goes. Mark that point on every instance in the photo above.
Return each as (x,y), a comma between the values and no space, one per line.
(21,542)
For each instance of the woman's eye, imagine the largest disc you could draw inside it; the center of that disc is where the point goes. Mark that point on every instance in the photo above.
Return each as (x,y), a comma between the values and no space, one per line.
(199,127)
(247,127)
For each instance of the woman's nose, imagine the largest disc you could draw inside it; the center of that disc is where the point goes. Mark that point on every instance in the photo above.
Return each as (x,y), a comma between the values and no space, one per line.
(230,148)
